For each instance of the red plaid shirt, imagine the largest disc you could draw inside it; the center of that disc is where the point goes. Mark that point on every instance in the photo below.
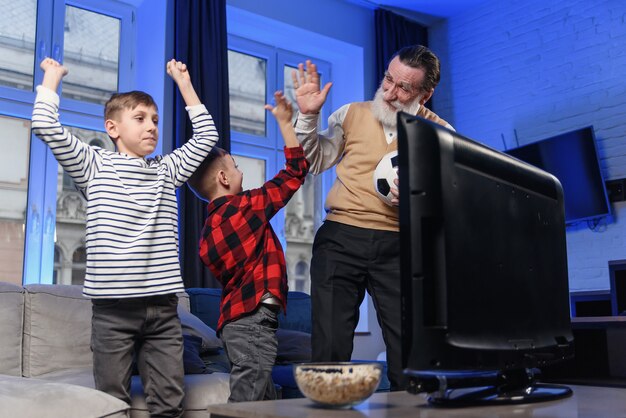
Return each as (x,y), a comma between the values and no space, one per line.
(239,245)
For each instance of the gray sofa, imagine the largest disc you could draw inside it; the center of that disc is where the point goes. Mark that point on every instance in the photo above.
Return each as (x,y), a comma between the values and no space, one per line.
(46,361)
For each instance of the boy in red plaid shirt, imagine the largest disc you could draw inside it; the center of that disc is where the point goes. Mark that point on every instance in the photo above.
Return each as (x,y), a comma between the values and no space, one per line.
(243,252)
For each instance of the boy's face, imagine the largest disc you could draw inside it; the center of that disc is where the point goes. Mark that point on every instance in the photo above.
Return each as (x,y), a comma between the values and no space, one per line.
(233,173)
(135,132)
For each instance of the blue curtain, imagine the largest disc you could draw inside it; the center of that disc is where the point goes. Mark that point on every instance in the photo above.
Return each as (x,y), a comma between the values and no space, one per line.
(200,42)
(394,32)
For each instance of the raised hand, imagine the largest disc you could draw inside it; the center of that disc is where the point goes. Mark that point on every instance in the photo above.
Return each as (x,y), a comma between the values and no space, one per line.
(309,97)
(283,111)
(53,72)
(178,71)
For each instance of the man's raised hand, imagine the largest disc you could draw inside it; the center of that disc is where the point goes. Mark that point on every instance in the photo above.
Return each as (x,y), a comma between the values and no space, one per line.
(306,83)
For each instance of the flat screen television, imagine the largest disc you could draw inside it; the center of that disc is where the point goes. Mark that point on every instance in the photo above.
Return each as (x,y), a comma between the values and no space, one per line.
(485,298)
(572,157)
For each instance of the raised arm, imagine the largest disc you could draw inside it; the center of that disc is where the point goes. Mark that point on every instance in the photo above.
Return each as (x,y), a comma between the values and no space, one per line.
(78,159)
(283,112)
(306,83)
(53,72)
(178,71)
(183,161)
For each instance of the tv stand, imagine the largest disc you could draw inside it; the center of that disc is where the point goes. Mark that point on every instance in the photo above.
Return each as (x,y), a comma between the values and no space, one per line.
(474,388)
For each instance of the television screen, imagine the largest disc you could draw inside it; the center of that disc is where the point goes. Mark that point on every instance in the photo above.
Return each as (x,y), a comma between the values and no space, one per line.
(485,295)
(573,159)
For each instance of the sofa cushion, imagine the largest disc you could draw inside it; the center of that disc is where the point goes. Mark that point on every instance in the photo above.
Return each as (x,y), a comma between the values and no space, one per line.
(192,362)
(183,301)
(205,304)
(282,375)
(194,326)
(201,390)
(81,377)
(57,329)
(293,346)
(12,314)
(34,398)
(298,316)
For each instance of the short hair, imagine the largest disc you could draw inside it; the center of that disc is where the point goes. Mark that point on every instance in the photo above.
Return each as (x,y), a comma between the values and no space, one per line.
(418,56)
(129,100)
(200,181)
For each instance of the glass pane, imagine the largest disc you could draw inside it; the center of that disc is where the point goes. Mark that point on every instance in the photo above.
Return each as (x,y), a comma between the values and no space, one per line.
(253,170)
(300,214)
(91,53)
(17,43)
(15,145)
(289,91)
(246,85)
(299,234)
(69,257)
(79,259)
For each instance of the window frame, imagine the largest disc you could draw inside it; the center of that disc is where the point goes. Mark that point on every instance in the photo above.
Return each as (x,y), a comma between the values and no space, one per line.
(265,52)
(40,217)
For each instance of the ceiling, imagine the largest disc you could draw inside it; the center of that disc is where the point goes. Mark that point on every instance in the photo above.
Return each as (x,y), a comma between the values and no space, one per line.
(439,8)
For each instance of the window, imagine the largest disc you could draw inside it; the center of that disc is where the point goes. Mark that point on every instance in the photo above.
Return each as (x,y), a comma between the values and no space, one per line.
(14,143)
(17,43)
(247,90)
(79,260)
(95,40)
(58,265)
(302,280)
(91,50)
(347,64)
(255,71)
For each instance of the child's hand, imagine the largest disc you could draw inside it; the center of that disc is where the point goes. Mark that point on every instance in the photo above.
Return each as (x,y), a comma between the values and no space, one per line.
(178,71)
(53,73)
(283,111)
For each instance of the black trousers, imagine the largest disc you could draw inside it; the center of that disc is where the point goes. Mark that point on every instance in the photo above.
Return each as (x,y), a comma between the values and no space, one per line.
(346,262)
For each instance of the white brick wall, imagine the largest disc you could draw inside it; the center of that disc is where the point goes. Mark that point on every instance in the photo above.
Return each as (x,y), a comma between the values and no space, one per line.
(541,68)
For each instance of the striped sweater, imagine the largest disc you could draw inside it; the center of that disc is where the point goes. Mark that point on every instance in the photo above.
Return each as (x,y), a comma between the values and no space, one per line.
(132,215)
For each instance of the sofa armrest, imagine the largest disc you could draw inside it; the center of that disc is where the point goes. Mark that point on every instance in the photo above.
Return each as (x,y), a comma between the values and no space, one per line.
(57,329)
(11,327)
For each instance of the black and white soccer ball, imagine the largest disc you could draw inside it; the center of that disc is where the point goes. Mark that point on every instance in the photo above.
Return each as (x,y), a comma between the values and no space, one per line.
(384,175)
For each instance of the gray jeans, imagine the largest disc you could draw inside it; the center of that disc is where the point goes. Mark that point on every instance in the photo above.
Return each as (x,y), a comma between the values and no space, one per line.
(251,346)
(148,329)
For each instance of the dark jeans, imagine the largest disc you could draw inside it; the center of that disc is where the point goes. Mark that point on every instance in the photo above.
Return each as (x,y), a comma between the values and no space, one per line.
(346,262)
(149,329)
(251,345)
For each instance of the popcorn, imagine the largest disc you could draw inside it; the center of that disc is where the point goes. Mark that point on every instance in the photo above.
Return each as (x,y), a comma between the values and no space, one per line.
(340,384)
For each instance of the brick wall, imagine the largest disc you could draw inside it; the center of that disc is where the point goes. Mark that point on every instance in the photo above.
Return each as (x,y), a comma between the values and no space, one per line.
(537,68)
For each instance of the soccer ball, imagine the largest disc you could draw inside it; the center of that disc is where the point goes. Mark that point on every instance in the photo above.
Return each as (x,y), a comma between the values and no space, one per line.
(384,175)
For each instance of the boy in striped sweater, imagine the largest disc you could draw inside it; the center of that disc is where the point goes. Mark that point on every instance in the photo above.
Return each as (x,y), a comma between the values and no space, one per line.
(133,272)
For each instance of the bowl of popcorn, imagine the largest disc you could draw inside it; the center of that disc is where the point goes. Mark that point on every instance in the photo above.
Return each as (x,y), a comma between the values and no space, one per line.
(338,385)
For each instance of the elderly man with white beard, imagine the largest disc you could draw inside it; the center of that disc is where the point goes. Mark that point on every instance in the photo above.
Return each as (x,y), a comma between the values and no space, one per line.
(357,249)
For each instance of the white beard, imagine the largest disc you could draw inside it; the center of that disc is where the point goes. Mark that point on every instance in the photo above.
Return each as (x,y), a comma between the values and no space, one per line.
(387,116)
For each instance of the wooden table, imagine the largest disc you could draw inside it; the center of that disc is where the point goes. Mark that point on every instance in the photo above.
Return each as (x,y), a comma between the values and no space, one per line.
(587,401)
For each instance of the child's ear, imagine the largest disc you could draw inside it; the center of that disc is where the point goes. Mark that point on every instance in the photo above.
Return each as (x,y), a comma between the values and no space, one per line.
(111,128)
(222,178)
